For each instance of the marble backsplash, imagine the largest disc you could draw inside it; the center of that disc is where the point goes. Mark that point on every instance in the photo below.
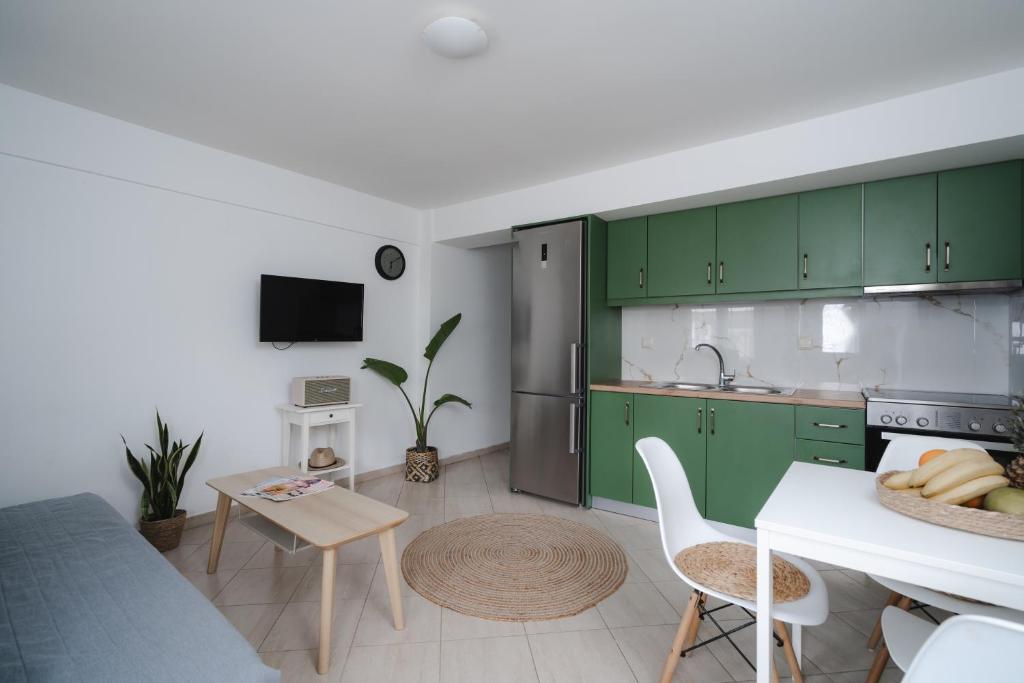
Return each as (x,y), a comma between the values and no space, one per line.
(965,343)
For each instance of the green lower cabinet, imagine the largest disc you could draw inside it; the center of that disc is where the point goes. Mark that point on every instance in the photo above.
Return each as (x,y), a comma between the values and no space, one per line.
(611,445)
(682,423)
(750,446)
(830,453)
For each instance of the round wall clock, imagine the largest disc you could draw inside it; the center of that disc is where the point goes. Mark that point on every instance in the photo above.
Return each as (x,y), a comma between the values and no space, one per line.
(390,262)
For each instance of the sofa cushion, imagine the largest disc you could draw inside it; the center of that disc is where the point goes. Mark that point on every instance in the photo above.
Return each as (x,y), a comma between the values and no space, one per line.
(83,597)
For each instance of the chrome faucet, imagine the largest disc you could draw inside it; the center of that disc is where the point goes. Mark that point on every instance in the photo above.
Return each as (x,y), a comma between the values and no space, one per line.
(723,379)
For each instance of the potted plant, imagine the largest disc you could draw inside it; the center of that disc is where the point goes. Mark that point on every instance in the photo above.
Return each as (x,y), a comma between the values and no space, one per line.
(163,477)
(421,459)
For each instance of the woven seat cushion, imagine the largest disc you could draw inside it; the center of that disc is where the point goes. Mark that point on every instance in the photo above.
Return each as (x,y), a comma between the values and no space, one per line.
(731,569)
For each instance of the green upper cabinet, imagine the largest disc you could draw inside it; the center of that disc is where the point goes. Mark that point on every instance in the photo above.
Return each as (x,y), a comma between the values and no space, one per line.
(830,238)
(681,253)
(980,223)
(750,446)
(627,258)
(900,230)
(682,423)
(611,445)
(756,244)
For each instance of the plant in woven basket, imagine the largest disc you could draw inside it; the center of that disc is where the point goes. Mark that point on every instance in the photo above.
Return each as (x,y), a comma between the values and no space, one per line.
(397,376)
(1015,470)
(163,476)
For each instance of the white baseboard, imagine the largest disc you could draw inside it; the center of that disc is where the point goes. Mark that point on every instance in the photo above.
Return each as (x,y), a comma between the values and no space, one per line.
(628,509)
(207,517)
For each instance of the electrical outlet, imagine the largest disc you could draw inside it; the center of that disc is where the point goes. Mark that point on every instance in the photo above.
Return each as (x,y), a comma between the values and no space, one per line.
(646,342)
(805,343)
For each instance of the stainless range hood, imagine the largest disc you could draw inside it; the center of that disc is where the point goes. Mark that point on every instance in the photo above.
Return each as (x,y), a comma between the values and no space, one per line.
(981,286)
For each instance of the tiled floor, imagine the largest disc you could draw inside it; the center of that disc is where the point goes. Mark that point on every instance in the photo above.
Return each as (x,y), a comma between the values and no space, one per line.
(273,599)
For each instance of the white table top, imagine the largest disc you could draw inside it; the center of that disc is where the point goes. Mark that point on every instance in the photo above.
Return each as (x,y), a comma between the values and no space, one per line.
(840,507)
(289,408)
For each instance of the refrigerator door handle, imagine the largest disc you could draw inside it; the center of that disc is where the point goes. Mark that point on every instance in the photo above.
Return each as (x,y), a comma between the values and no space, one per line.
(574,354)
(572,428)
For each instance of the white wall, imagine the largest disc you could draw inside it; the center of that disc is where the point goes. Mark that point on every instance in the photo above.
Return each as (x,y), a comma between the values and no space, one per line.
(475,361)
(975,121)
(129,280)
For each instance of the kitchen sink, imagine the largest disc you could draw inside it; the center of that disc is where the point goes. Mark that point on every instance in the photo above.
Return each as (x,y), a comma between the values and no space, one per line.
(729,388)
(758,390)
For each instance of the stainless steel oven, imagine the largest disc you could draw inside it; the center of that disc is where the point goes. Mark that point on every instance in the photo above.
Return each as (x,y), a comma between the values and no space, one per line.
(981,418)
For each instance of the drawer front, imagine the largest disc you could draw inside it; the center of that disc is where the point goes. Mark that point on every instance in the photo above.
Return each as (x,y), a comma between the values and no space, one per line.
(333,416)
(829,453)
(844,425)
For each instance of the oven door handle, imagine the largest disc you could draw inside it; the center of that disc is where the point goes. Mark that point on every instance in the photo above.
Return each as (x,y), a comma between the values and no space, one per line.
(990,445)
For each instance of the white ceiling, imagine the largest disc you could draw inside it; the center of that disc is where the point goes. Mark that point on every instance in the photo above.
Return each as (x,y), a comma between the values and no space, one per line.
(344,90)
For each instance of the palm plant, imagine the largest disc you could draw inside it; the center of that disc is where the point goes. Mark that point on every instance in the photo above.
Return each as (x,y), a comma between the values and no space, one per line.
(397,376)
(161,479)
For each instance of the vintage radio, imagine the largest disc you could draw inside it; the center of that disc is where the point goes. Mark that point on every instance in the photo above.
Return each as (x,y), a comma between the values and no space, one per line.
(320,391)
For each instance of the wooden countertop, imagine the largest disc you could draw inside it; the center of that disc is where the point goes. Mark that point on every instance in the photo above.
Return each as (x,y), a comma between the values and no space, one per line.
(801,397)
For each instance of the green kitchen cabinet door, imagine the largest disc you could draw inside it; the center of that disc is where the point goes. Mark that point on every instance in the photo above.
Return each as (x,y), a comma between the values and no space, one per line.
(682,423)
(900,231)
(627,258)
(757,242)
(830,238)
(611,445)
(681,253)
(750,446)
(980,223)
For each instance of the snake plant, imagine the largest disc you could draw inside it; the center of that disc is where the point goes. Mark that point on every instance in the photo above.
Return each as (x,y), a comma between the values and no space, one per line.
(397,376)
(164,475)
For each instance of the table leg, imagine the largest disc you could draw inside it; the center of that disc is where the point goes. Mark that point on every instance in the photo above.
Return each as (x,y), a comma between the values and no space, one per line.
(286,440)
(220,522)
(304,448)
(323,661)
(764,607)
(797,638)
(352,452)
(390,558)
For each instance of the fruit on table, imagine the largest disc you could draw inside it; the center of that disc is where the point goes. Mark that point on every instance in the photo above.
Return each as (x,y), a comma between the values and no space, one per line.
(1015,472)
(923,474)
(928,455)
(960,474)
(1006,499)
(975,502)
(899,481)
(972,489)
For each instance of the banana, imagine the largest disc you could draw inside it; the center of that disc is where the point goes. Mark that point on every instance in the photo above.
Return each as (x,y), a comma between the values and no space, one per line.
(923,474)
(911,492)
(900,480)
(960,474)
(972,489)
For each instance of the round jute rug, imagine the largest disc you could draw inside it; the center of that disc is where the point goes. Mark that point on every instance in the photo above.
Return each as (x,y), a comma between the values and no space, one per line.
(511,567)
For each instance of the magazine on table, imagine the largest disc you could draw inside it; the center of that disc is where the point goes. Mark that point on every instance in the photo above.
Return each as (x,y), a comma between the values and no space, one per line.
(286,488)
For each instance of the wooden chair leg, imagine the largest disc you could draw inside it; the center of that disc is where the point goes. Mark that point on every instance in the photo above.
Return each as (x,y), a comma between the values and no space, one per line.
(689,614)
(775,672)
(691,638)
(787,647)
(878,666)
(904,603)
(876,633)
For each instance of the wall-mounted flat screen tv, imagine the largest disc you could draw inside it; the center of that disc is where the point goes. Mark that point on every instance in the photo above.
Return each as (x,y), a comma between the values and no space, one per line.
(296,309)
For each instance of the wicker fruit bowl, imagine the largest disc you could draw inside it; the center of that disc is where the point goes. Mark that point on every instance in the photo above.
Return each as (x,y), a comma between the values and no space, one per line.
(986,522)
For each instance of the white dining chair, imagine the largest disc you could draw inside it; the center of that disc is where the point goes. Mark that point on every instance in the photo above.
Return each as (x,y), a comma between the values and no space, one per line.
(903,453)
(968,647)
(682,526)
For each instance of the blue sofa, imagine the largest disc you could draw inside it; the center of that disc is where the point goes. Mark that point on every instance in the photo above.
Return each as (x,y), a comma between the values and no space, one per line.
(83,597)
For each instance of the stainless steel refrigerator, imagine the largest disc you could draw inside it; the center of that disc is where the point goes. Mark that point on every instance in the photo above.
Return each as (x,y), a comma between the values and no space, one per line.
(547,360)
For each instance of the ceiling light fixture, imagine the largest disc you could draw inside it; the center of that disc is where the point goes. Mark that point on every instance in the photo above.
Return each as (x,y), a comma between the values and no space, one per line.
(455,37)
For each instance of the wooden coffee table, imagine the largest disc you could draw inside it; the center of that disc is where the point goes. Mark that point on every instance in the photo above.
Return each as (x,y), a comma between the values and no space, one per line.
(325,520)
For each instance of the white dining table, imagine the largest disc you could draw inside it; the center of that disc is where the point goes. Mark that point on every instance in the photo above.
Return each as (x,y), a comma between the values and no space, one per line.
(832,515)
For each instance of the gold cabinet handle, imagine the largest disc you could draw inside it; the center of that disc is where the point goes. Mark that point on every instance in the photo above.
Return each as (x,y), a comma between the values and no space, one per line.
(709,272)
(700,419)
(947,255)
(711,421)
(928,257)
(721,271)
(805,266)
(641,278)
(826,425)
(831,461)
(627,412)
